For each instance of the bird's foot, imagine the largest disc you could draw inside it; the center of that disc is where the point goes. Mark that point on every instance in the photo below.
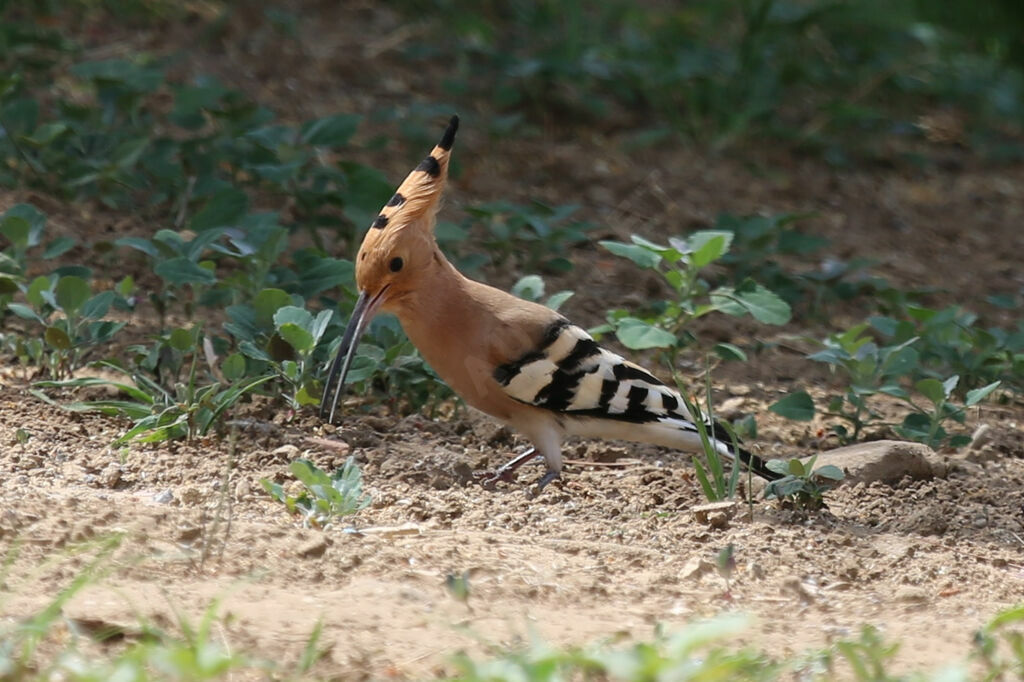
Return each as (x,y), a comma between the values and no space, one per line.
(507,471)
(489,479)
(537,487)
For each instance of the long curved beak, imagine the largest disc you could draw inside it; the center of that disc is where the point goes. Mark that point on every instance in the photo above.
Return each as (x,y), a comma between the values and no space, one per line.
(364,311)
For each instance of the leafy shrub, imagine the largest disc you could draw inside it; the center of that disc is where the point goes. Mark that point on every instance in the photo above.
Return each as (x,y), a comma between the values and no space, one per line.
(801,484)
(682,265)
(325,498)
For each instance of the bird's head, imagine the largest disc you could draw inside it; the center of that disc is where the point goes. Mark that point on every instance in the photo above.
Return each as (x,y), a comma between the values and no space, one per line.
(398,245)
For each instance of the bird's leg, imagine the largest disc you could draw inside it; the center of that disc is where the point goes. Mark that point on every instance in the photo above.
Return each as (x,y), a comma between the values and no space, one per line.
(506,472)
(549,476)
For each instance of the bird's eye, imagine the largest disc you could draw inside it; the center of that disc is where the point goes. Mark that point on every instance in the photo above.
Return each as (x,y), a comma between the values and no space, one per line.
(396,264)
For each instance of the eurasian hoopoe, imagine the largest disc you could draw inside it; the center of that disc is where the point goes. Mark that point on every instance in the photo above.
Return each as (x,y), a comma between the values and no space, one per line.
(515,360)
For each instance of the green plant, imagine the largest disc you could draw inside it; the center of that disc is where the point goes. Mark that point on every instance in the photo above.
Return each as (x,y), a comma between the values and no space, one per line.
(999,648)
(695,653)
(718,486)
(188,408)
(839,79)
(869,369)
(534,234)
(869,656)
(153,653)
(950,341)
(71,317)
(22,226)
(276,333)
(682,265)
(801,484)
(325,498)
(531,288)
(924,424)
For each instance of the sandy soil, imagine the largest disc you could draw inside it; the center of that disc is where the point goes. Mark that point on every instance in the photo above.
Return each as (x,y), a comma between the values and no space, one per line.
(615,549)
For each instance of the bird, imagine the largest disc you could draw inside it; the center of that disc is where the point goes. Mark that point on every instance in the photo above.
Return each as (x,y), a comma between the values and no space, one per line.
(520,362)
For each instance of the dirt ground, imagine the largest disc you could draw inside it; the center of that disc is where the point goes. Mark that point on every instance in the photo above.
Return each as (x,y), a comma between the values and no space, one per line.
(614,550)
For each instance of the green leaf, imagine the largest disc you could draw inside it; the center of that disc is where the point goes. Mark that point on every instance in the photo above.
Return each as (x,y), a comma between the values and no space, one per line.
(97,306)
(916,426)
(233,367)
(297,337)
(33,216)
(268,302)
(932,389)
(728,351)
(180,271)
(797,468)
(556,300)
(950,384)
(977,395)
(638,335)
(530,288)
(779,466)
(292,314)
(763,304)
(57,338)
(71,293)
(25,312)
(831,472)
(798,406)
(324,274)
(330,131)
(320,323)
(304,397)
(37,290)
(182,339)
(640,255)
(135,77)
(46,133)
(59,246)
(146,246)
(667,253)
(223,209)
(16,230)
(228,397)
(708,246)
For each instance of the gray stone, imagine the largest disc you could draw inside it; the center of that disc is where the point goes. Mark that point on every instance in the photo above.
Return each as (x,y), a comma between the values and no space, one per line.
(887,461)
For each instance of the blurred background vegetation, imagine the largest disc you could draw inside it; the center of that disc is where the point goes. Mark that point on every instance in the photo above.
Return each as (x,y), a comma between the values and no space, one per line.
(234,136)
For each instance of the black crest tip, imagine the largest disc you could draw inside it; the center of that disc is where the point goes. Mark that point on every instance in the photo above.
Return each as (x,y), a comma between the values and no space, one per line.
(449,134)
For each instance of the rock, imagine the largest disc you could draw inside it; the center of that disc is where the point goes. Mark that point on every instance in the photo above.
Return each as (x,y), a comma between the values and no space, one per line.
(715,514)
(111,475)
(792,586)
(887,461)
(313,548)
(695,569)
(166,497)
(243,489)
(911,595)
(286,453)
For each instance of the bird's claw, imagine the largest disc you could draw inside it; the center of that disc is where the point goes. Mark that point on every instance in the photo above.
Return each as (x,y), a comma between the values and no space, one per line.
(537,487)
(489,479)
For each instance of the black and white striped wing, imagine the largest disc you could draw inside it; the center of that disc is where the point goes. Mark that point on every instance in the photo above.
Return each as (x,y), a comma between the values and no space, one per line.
(569,373)
(599,393)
